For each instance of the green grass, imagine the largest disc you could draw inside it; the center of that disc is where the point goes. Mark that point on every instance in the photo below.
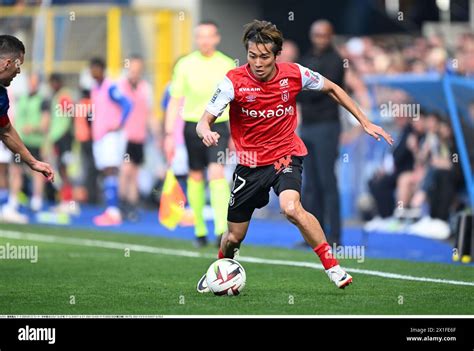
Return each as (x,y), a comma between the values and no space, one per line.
(105,281)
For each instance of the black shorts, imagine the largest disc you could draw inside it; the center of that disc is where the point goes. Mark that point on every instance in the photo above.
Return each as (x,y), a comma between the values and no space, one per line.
(252,186)
(199,155)
(62,146)
(135,152)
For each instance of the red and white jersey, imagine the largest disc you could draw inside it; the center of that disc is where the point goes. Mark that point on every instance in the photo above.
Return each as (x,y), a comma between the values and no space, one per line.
(263,114)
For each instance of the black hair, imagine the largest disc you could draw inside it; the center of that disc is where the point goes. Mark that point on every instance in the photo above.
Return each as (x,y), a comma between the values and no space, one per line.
(263,32)
(10,45)
(97,61)
(56,77)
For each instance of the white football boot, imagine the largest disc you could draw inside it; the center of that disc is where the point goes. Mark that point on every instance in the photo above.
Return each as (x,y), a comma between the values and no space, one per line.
(339,276)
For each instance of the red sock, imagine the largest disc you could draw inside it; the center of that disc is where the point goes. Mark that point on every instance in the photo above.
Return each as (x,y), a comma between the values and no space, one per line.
(66,193)
(324,252)
(220,254)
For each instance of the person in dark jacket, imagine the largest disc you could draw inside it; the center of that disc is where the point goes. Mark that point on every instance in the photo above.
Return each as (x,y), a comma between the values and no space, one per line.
(320,132)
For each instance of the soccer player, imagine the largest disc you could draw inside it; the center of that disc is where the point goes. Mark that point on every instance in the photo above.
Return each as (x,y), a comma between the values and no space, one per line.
(12,55)
(60,136)
(195,78)
(262,98)
(111,110)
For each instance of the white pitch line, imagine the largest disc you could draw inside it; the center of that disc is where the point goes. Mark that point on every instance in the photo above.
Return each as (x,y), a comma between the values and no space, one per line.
(185,253)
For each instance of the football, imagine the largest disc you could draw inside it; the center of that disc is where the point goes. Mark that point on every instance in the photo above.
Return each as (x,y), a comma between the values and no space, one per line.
(226,277)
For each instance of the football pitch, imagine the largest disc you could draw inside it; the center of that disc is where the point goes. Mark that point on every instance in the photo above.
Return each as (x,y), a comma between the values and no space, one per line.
(80,272)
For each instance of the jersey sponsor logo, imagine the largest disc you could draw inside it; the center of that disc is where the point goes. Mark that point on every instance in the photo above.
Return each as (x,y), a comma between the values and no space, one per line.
(280,111)
(284,82)
(285,95)
(249,89)
(216,94)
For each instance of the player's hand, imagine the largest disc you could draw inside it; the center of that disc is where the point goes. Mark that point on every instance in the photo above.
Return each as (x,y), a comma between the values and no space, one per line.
(44,168)
(210,138)
(169,147)
(377,132)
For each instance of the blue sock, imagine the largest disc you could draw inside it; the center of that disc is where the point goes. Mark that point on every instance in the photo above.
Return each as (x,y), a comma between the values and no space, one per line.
(4,196)
(111,191)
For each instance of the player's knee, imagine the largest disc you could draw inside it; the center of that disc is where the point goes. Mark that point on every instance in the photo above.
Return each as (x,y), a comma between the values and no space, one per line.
(291,211)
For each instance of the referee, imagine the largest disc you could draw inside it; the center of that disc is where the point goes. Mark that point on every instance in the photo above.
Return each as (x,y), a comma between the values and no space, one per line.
(195,78)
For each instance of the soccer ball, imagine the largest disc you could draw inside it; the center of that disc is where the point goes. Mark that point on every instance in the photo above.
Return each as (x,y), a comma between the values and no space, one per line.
(226,277)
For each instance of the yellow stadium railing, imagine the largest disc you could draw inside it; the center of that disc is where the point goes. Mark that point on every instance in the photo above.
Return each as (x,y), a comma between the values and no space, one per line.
(169,39)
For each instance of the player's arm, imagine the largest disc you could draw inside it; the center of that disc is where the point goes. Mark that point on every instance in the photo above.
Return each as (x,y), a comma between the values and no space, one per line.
(314,81)
(12,141)
(222,97)
(203,129)
(172,111)
(341,97)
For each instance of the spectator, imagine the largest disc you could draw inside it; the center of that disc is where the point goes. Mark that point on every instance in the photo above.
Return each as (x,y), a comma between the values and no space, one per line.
(60,137)
(87,187)
(135,88)
(382,185)
(111,110)
(32,122)
(289,52)
(320,132)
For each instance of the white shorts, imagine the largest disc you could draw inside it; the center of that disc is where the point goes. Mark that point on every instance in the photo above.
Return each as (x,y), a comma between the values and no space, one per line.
(109,151)
(6,155)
